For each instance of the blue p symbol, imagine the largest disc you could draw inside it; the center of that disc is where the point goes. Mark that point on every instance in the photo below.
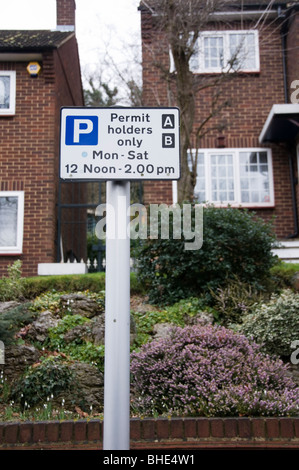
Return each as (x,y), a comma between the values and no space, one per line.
(81,130)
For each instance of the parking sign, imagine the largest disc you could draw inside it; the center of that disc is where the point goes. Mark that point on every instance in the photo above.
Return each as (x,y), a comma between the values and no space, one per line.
(119,143)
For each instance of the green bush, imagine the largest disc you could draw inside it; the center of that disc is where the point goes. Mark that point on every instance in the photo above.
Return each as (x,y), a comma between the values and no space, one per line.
(275,324)
(176,314)
(234,300)
(235,243)
(35,286)
(94,282)
(45,380)
(12,287)
(78,349)
(12,320)
(283,274)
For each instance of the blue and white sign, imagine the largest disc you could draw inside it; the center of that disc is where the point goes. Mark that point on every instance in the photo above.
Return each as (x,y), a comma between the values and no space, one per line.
(82,130)
(119,143)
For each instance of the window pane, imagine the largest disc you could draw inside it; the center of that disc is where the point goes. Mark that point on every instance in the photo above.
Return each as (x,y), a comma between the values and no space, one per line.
(4,92)
(8,221)
(213,52)
(222,181)
(242,50)
(254,172)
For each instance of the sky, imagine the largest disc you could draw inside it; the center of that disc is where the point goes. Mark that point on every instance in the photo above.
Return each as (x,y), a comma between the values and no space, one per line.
(101,26)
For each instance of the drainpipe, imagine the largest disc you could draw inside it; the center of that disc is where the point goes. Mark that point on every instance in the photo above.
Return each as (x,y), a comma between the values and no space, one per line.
(283,34)
(294,202)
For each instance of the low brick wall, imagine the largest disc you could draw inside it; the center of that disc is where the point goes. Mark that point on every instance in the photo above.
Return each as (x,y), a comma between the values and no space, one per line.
(167,434)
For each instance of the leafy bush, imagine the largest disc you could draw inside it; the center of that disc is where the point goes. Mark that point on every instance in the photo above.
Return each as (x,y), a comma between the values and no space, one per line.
(12,286)
(12,320)
(94,282)
(235,243)
(275,324)
(35,286)
(210,371)
(49,378)
(78,349)
(176,314)
(56,334)
(234,300)
(283,274)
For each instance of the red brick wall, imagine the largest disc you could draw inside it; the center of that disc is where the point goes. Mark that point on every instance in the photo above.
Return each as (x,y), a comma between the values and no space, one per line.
(29,148)
(292,50)
(27,153)
(187,434)
(251,96)
(66,12)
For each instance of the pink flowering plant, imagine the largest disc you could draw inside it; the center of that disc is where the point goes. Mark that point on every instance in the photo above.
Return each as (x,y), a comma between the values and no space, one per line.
(210,371)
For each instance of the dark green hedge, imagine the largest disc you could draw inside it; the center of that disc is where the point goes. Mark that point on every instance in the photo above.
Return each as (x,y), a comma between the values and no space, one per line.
(95,282)
(236,243)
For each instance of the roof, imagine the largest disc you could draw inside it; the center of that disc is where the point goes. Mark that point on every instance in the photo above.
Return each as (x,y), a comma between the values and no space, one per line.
(282,124)
(32,40)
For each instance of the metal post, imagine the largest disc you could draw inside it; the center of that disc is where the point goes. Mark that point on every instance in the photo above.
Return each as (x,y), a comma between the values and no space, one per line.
(117,319)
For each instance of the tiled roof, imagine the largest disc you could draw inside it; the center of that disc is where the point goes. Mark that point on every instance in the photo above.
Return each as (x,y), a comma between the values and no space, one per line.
(31,40)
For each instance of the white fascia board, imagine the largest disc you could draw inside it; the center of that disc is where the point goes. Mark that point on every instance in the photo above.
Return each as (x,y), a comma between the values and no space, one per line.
(238,15)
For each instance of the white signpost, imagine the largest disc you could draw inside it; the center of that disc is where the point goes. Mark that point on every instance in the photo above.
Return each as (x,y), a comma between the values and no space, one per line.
(118,145)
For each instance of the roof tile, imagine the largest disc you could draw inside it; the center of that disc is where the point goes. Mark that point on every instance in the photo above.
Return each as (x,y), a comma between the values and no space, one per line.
(31,40)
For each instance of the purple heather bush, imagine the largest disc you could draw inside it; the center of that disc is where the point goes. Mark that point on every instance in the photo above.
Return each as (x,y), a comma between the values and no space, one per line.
(210,371)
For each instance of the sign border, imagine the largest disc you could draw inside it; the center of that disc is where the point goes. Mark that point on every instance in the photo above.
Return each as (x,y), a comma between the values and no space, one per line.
(88,180)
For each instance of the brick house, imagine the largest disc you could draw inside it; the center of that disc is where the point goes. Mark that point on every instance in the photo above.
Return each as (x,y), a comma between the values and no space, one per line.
(39,73)
(249,154)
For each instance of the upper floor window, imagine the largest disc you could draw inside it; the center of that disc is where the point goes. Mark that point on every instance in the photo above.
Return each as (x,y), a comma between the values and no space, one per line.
(220,51)
(237,177)
(11,221)
(7,92)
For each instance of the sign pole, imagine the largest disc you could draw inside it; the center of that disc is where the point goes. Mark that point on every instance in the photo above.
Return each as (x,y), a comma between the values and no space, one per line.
(117,319)
(118,145)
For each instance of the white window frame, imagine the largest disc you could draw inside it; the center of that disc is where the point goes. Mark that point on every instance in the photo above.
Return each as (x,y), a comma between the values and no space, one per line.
(235,152)
(197,62)
(11,110)
(18,247)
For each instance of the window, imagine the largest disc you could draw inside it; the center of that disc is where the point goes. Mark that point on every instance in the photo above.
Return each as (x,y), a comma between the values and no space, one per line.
(7,93)
(11,221)
(235,176)
(226,50)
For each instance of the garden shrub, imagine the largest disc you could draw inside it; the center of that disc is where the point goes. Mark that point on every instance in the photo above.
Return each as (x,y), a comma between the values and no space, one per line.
(79,348)
(274,324)
(235,243)
(235,299)
(176,314)
(13,319)
(12,286)
(36,286)
(210,371)
(42,382)
(94,282)
(283,274)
